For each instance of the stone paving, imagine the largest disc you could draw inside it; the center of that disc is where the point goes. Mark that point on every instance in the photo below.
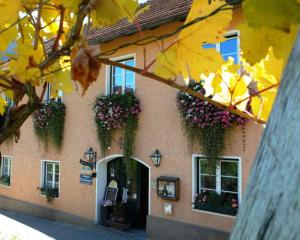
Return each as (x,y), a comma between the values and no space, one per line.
(15,226)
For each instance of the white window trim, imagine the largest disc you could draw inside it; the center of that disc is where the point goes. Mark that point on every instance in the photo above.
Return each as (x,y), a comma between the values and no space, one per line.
(108,72)
(10,169)
(194,180)
(42,175)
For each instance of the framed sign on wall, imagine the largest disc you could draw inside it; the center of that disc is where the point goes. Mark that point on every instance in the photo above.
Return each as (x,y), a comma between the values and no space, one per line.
(168,188)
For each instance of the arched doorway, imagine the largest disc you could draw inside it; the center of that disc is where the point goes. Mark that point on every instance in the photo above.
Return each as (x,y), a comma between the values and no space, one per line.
(133,175)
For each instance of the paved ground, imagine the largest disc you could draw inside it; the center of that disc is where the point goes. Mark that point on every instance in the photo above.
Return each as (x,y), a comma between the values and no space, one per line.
(15,226)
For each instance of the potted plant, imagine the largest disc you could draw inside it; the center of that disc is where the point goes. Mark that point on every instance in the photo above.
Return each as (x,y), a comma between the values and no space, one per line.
(5,180)
(50,193)
(214,202)
(118,219)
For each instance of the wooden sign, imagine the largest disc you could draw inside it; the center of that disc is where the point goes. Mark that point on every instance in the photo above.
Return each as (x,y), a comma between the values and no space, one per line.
(111,193)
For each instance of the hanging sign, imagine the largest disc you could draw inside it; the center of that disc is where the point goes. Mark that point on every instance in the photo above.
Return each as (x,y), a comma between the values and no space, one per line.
(86,175)
(87,172)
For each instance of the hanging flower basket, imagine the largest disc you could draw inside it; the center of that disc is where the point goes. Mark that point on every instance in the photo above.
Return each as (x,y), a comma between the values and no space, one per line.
(204,122)
(117,111)
(48,123)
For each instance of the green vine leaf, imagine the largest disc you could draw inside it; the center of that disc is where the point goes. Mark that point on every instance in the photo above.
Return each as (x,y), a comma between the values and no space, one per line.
(117,111)
(48,123)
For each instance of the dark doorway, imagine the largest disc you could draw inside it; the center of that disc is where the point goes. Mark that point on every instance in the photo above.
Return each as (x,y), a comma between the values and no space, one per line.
(133,176)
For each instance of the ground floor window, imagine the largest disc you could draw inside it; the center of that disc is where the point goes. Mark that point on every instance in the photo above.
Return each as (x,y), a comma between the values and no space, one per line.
(50,178)
(5,170)
(217,185)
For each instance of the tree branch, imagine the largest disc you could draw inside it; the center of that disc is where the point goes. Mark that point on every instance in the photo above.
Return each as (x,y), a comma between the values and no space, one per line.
(179,87)
(60,29)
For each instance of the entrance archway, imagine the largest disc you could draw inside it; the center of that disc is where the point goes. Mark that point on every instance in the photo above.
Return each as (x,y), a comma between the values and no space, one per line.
(102,177)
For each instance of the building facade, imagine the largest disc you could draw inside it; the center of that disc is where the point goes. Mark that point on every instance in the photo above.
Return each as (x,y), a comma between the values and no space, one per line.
(26,167)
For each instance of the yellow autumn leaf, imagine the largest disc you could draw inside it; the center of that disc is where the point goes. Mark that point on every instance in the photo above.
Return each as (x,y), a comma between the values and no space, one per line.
(256,42)
(110,12)
(71,4)
(262,105)
(217,24)
(267,72)
(216,84)
(7,37)
(279,14)
(192,59)
(240,92)
(166,66)
(3,104)
(26,63)
(66,84)
(274,66)
(9,94)
(9,11)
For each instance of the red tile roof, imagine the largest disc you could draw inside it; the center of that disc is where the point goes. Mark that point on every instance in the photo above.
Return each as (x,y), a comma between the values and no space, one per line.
(160,12)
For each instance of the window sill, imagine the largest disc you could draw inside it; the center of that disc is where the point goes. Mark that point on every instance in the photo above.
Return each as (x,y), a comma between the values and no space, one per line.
(5,185)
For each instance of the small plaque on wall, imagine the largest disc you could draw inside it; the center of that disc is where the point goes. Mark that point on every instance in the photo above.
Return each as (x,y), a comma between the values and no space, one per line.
(168,188)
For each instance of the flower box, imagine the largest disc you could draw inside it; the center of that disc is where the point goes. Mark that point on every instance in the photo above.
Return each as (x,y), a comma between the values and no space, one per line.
(216,209)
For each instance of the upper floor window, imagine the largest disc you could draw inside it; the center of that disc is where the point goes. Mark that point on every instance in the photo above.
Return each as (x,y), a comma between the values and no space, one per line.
(48,97)
(122,80)
(5,170)
(227,48)
(217,186)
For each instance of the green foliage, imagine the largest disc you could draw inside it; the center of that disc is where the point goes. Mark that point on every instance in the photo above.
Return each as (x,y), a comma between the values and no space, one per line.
(205,123)
(50,193)
(117,111)
(5,180)
(214,202)
(49,123)
(212,139)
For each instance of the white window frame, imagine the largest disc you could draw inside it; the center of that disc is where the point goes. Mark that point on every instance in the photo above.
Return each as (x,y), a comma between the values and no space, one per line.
(9,168)
(43,173)
(109,71)
(194,181)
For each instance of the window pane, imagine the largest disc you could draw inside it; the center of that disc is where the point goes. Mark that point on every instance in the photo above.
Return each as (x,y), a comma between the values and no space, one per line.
(229,46)
(129,81)
(117,82)
(122,79)
(49,167)
(49,177)
(208,45)
(56,185)
(49,184)
(56,168)
(205,168)
(129,62)
(229,184)
(117,71)
(208,182)
(56,177)
(229,168)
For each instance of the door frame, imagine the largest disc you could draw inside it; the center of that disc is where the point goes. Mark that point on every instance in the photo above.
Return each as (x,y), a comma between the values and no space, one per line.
(101,182)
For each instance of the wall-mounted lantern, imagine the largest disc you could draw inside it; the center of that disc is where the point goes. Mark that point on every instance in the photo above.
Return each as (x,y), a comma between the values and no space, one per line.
(156,158)
(90,155)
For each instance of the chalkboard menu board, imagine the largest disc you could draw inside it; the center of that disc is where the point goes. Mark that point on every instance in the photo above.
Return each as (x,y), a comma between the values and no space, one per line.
(111,195)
